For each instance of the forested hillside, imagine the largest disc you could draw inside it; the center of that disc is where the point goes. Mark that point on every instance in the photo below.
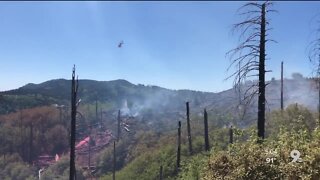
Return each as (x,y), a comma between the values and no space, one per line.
(30,133)
(142,98)
(258,120)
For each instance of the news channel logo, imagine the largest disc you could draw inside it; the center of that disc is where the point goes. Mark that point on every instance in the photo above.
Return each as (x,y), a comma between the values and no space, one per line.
(272,156)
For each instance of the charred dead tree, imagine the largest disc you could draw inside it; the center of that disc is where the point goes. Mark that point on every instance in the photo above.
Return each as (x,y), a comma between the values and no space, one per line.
(119,126)
(21,135)
(97,118)
(74,91)
(241,108)
(179,147)
(281,94)
(90,141)
(189,128)
(239,85)
(114,161)
(101,122)
(31,144)
(314,59)
(231,135)
(160,173)
(89,149)
(206,135)
(262,71)
(250,54)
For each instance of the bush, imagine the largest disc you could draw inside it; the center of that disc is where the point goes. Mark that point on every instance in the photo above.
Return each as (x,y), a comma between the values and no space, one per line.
(61,170)
(147,166)
(247,160)
(12,167)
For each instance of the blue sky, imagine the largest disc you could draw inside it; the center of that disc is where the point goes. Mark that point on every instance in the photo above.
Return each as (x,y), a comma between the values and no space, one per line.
(177,45)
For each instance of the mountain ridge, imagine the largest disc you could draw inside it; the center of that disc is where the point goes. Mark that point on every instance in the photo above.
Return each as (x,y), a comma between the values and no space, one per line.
(115,92)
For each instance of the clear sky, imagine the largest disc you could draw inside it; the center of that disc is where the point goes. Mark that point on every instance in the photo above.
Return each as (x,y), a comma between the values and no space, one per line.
(176,45)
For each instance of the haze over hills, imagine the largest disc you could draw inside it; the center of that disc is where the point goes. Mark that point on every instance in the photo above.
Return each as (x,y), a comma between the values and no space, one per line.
(140,97)
(112,92)
(150,117)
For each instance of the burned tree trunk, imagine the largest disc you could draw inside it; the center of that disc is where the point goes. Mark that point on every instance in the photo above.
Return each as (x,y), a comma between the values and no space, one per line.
(206,135)
(89,150)
(101,122)
(314,58)
(319,101)
(161,169)
(262,71)
(281,86)
(74,89)
(21,136)
(251,54)
(97,118)
(188,128)
(31,144)
(179,147)
(231,135)
(114,161)
(119,127)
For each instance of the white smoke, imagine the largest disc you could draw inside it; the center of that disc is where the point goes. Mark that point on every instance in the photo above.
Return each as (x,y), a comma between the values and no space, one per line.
(296,90)
(125,111)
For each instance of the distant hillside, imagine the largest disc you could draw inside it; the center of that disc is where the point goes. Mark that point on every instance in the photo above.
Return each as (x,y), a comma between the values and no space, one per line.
(118,93)
(114,92)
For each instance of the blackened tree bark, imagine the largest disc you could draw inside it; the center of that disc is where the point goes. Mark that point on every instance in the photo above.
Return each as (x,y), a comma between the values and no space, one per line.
(119,127)
(97,118)
(251,55)
(281,94)
(74,90)
(114,161)
(161,174)
(21,135)
(189,128)
(31,144)
(262,84)
(89,149)
(179,147)
(101,122)
(314,58)
(206,135)
(231,135)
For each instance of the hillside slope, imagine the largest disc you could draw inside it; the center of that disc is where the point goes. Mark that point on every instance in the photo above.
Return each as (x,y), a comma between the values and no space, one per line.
(120,93)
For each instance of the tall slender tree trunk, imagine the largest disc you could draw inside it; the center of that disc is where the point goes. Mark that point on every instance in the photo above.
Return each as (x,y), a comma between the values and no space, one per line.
(188,128)
(73,126)
(31,144)
(89,150)
(21,136)
(119,127)
(261,98)
(231,135)
(206,135)
(114,161)
(161,169)
(101,118)
(282,85)
(179,147)
(25,144)
(239,84)
(97,119)
(60,114)
(319,100)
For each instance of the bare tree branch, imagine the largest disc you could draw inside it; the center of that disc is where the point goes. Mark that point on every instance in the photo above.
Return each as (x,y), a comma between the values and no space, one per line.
(249,53)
